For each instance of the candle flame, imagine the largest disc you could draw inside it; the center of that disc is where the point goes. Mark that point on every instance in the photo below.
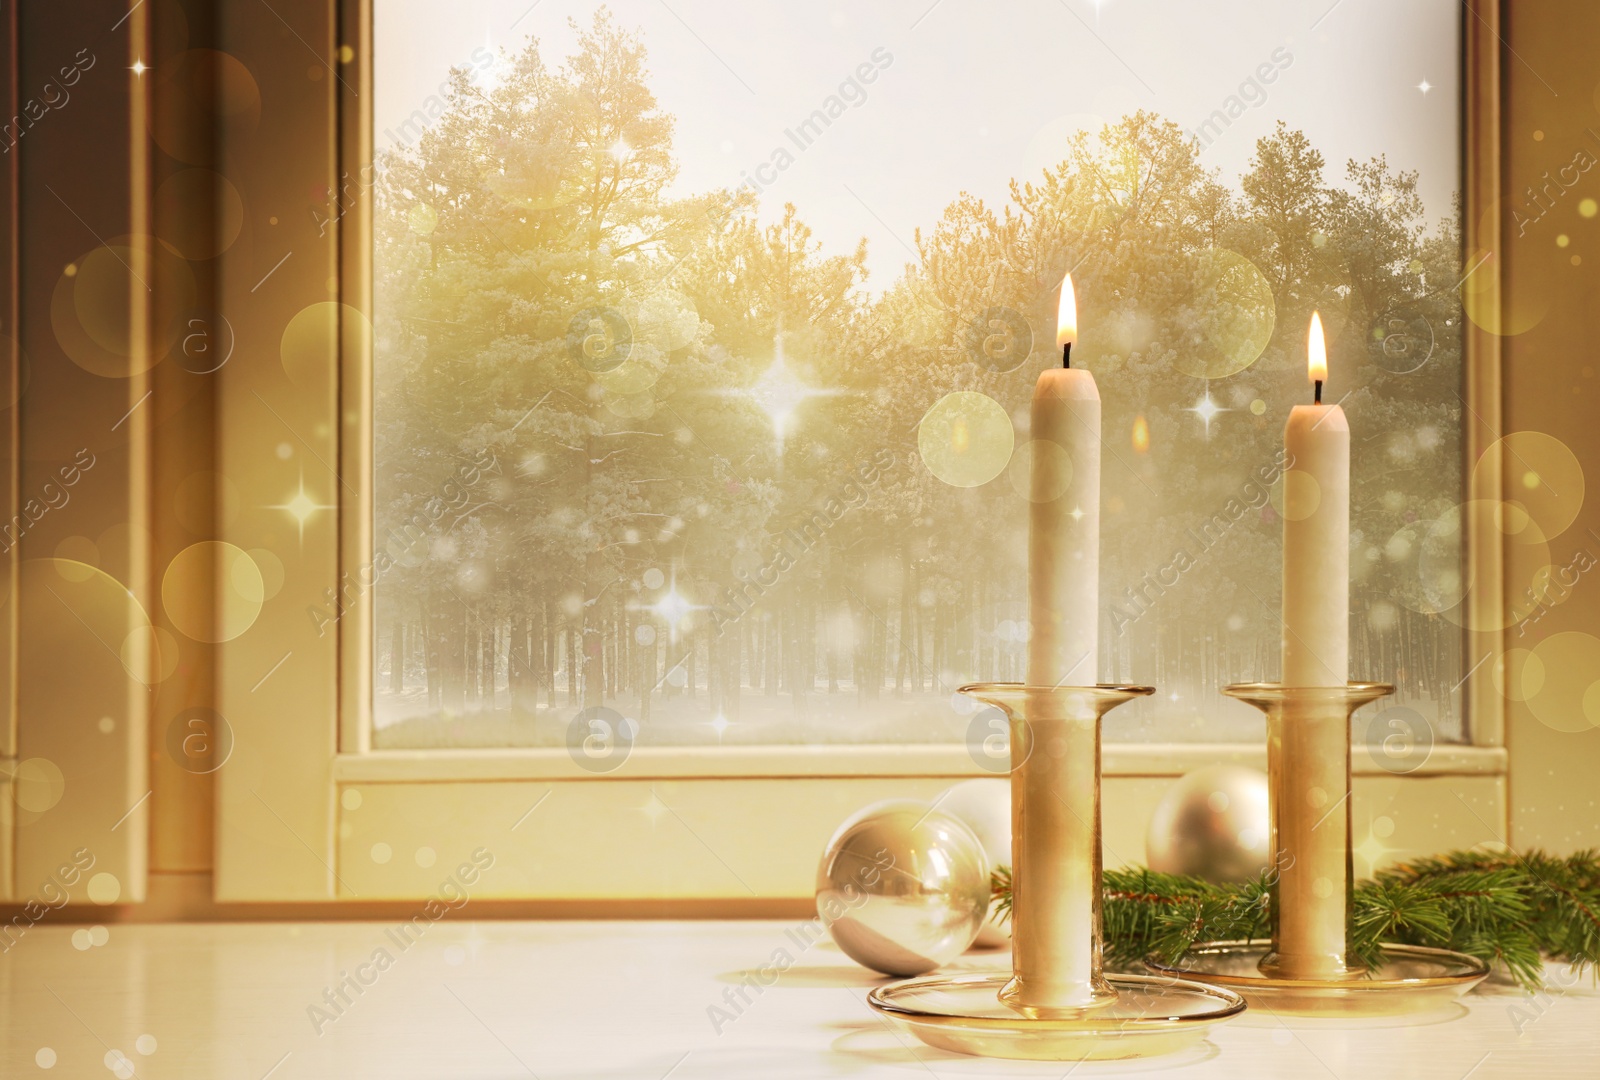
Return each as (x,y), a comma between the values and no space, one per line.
(1141,434)
(1316,351)
(959,439)
(1067,314)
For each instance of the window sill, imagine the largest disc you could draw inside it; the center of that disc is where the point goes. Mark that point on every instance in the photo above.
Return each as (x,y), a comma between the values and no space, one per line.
(527,992)
(747,762)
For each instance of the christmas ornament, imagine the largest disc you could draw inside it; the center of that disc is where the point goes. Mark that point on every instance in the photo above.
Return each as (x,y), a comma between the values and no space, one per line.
(984,806)
(1212,824)
(903,887)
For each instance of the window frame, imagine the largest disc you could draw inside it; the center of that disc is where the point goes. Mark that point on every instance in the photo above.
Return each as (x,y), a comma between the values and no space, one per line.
(310,737)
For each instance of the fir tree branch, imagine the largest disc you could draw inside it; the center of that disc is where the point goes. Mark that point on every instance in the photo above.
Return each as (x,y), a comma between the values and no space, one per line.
(1504,908)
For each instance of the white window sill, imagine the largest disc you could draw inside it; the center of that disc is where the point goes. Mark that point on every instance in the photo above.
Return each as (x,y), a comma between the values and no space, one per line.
(652,763)
(628,999)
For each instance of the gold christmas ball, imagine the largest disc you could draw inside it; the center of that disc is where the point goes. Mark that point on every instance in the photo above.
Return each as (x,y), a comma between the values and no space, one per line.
(1213,824)
(902,887)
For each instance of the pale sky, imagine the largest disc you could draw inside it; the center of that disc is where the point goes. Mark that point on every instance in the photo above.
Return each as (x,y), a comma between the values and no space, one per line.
(976,93)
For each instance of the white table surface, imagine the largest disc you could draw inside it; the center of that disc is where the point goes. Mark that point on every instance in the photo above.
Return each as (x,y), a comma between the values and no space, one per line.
(628,999)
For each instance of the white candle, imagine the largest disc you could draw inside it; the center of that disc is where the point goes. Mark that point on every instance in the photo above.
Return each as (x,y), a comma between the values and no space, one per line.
(1064,530)
(1308,747)
(1055,783)
(1316,536)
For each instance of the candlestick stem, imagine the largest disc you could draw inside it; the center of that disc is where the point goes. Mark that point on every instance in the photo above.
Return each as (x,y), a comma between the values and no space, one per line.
(1308,778)
(1055,846)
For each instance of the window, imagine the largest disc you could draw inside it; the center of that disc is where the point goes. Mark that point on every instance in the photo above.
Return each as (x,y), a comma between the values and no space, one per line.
(704,343)
(612,375)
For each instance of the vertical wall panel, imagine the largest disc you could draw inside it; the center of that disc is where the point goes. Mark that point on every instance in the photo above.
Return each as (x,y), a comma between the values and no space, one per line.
(87,288)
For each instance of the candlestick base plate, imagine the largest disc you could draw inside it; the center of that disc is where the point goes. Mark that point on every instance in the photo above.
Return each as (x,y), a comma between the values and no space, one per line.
(1410,979)
(964,1013)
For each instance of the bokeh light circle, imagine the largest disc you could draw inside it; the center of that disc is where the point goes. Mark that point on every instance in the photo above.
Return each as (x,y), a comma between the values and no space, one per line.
(38,783)
(205,95)
(80,611)
(91,306)
(966,439)
(1543,476)
(1302,494)
(212,591)
(1493,303)
(1562,692)
(79,556)
(198,235)
(316,337)
(422,219)
(150,654)
(1440,569)
(1518,673)
(1235,317)
(1499,609)
(1404,552)
(272,571)
(104,888)
(1045,457)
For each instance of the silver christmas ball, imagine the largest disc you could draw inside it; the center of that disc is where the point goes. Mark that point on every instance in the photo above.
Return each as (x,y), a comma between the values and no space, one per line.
(984,806)
(902,887)
(1212,824)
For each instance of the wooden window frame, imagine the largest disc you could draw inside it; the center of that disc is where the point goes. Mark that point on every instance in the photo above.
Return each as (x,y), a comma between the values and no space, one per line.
(307,801)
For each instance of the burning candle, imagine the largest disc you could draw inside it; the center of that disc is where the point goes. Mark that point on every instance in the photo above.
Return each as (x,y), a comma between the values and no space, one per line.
(1308,747)
(1064,530)
(1316,535)
(1055,783)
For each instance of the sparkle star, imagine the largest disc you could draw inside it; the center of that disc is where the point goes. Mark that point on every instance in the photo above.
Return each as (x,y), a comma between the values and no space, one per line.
(301,507)
(673,607)
(1373,851)
(1077,513)
(1207,409)
(139,67)
(1424,86)
(778,393)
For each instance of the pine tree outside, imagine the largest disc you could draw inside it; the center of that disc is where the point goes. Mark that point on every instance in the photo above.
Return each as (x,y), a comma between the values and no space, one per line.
(673,385)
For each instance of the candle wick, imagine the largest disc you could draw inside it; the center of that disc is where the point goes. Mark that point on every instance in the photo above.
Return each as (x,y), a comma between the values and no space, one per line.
(1066,355)
(1318,384)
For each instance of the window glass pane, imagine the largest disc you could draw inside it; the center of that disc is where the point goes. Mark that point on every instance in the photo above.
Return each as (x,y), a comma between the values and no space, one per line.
(670,303)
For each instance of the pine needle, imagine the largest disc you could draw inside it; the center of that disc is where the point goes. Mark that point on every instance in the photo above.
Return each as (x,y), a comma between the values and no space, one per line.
(1509,909)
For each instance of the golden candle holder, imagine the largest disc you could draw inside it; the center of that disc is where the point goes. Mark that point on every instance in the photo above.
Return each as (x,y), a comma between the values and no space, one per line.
(1057,1003)
(1305,969)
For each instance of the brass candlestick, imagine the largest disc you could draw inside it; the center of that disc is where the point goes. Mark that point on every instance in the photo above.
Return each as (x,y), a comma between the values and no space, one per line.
(1306,970)
(1057,1002)
(1308,781)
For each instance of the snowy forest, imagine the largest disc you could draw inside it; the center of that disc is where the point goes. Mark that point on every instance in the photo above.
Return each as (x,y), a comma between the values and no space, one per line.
(665,455)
